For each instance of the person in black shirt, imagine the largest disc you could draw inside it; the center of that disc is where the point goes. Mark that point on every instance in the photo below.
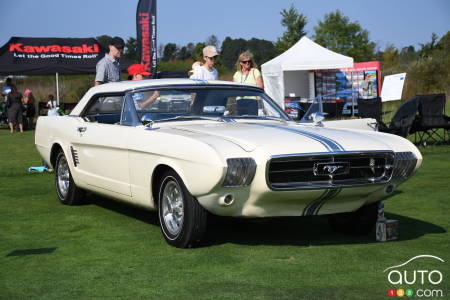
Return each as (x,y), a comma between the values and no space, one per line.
(14,105)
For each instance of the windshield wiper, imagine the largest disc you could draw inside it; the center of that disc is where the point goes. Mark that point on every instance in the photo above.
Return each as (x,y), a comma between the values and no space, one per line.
(258,117)
(178,118)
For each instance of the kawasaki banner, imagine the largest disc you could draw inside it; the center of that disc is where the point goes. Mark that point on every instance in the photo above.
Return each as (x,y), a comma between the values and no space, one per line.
(38,56)
(146,34)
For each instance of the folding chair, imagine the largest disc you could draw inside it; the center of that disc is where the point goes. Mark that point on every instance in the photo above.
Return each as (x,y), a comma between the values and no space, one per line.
(431,126)
(403,118)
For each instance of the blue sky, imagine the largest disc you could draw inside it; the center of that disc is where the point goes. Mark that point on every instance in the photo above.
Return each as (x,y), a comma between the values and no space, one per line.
(400,22)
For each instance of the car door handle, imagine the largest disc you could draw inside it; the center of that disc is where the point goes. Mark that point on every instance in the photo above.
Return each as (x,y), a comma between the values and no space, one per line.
(82,129)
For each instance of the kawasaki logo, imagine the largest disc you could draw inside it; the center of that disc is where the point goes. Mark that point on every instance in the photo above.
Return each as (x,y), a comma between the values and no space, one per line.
(84,48)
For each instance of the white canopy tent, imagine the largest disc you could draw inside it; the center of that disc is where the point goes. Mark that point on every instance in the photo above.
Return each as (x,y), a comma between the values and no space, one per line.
(287,74)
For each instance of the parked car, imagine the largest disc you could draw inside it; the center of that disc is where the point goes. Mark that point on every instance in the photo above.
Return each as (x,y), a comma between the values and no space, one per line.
(190,148)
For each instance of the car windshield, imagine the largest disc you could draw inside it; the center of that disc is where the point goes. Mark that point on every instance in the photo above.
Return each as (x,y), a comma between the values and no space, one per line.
(204,103)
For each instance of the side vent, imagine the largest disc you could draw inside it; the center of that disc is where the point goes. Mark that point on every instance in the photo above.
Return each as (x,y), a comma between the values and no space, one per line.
(74,156)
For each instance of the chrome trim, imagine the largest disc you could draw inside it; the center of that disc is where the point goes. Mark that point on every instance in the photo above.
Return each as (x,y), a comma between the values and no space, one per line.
(194,86)
(328,184)
(75,158)
(166,86)
(330,153)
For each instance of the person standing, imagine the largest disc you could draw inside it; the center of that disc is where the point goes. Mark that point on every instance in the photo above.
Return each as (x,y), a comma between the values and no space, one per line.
(52,106)
(14,105)
(30,111)
(108,68)
(6,89)
(207,70)
(247,71)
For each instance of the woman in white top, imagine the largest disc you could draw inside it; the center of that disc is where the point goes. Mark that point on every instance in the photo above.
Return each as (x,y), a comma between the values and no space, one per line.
(247,71)
(207,70)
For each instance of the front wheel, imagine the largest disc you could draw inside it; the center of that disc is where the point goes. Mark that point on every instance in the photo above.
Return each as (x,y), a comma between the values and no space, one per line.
(68,193)
(183,220)
(360,222)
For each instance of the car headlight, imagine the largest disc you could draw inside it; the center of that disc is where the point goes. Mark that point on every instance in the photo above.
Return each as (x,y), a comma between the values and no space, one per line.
(404,165)
(240,172)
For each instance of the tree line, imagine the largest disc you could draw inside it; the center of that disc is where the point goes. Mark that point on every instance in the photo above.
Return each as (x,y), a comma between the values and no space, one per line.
(427,67)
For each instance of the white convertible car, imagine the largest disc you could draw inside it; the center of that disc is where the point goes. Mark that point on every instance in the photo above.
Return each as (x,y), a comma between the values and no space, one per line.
(192,148)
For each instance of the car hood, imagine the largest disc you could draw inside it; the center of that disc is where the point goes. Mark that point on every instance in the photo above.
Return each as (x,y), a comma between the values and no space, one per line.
(281,138)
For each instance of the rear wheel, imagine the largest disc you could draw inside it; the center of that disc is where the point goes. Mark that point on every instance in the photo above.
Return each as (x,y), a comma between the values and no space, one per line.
(360,222)
(68,193)
(183,220)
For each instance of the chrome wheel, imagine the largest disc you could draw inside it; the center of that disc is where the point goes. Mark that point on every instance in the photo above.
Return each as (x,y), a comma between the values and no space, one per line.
(63,177)
(172,207)
(183,220)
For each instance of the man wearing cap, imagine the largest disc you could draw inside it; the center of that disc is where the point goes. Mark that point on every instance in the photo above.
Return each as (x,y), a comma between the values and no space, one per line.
(108,68)
(207,70)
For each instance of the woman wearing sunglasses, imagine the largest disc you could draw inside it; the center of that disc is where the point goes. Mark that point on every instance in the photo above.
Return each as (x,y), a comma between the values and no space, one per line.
(247,71)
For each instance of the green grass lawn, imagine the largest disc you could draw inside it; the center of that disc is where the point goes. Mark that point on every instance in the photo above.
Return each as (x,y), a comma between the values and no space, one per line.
(108,250)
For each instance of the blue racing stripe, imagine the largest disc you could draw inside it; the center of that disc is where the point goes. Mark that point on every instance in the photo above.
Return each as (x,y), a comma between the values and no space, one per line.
(327,142)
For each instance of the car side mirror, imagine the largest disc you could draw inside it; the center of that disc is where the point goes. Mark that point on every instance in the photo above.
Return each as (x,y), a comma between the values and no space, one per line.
(317,118)
(146,119)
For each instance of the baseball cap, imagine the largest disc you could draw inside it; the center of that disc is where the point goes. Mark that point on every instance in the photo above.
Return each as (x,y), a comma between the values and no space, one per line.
(27,91)
(137,69)
(210,51)
(117,42)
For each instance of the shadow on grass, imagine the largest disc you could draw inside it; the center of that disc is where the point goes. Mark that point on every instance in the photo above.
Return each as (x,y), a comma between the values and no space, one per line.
(296,231)
(303,231)
(143,215)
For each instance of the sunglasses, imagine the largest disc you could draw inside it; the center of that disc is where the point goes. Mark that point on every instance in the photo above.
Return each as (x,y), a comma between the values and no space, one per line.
(212,57)
(246,61)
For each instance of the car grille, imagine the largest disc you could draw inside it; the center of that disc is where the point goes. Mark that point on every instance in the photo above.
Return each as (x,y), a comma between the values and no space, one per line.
(314,171)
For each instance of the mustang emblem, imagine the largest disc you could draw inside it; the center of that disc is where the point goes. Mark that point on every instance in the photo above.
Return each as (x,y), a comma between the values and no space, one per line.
(331,168)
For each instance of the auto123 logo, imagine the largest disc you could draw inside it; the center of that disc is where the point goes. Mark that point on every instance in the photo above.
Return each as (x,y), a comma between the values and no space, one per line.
(428,279)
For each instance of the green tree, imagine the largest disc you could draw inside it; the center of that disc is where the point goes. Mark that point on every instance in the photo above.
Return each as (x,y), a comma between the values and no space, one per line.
(295,24)
(104,40)
(169,52)
(231,48)
(262,50)
(427,49)
(407,55)
(183,53)
(197,54)
(190,49)
(212,40)
(390,57)
(338,34)
(131,49)
(431,72)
